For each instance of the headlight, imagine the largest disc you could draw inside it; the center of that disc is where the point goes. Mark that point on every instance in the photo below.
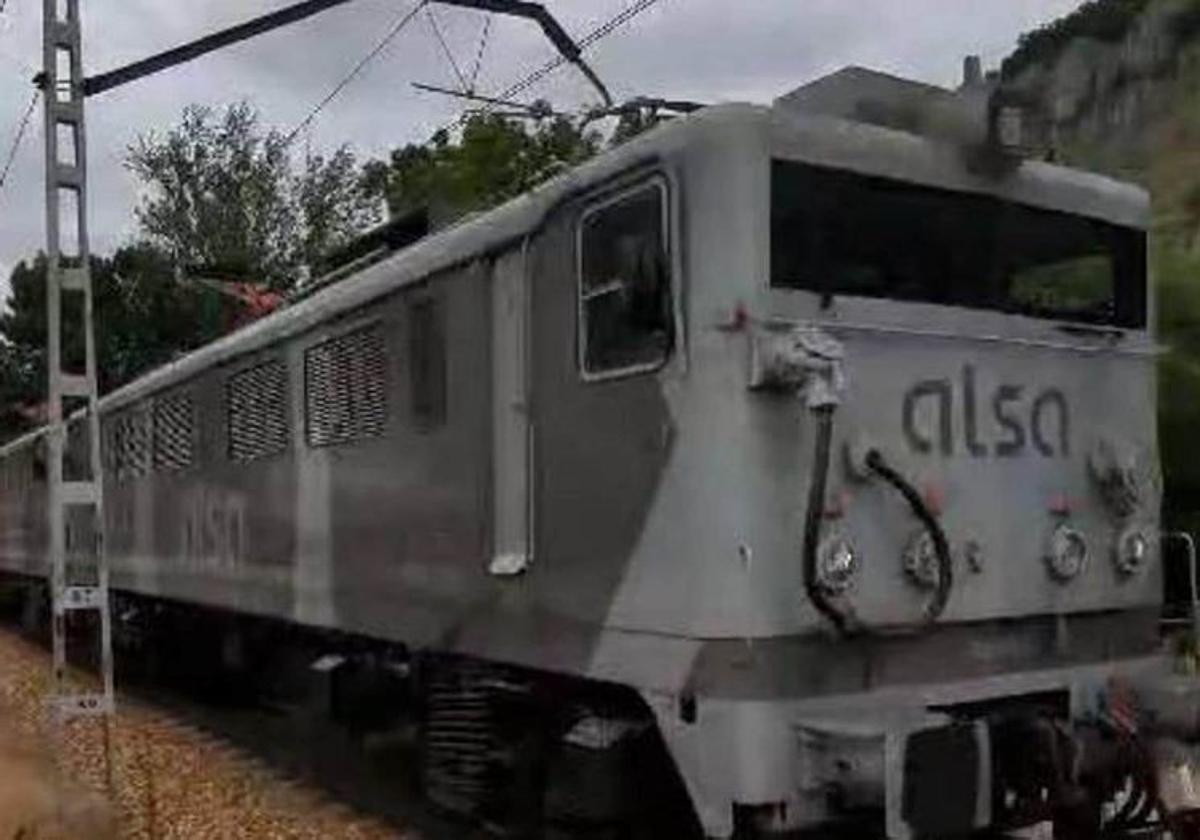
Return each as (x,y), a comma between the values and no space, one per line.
(1133,548)
(1068,553)
(837,564)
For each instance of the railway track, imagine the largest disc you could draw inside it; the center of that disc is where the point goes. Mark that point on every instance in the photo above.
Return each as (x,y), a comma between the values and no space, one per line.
(172,776)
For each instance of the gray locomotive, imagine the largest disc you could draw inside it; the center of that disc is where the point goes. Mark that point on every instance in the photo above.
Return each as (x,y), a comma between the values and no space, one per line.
(819,452)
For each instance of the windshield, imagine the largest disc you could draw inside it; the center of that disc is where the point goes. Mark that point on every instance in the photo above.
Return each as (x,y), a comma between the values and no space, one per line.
(840,233)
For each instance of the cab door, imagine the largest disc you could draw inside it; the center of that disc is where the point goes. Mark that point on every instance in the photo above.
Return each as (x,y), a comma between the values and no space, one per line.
(603,328)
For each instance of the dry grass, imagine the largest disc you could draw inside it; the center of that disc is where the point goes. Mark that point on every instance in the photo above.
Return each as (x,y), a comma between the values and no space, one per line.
(37,804)
(170,780)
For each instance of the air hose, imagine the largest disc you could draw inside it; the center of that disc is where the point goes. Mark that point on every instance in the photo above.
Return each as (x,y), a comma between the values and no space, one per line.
(809,361)
(841,618)
(820,599)
(941,548)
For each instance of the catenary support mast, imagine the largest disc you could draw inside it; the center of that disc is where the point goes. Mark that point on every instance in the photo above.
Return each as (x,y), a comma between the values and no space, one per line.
(76,554)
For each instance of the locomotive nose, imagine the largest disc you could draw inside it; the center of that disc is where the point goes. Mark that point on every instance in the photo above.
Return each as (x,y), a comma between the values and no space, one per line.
(923,458)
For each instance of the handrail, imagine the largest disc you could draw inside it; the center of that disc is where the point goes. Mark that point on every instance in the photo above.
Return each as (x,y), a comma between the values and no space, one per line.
(1190,546)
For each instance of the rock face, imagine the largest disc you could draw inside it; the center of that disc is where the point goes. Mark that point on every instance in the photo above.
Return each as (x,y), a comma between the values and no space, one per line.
(1110,90)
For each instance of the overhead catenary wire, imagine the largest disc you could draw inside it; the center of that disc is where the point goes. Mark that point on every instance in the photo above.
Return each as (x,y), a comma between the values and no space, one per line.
(570,51)
(599,33)
(358,68)
(437,31)
(615,22)
(20,135)
(483,42)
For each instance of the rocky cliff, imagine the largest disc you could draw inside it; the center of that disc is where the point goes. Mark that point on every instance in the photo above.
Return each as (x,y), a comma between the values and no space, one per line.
(1110,85)
(1120,81)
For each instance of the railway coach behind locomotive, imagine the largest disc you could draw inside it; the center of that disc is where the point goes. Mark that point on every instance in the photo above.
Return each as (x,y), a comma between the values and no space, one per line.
(822,452)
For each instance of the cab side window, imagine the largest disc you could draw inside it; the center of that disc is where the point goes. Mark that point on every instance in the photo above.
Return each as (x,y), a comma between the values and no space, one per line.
(626,319)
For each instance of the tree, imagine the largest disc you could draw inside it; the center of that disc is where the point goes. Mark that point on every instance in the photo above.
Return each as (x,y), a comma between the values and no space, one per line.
(635,122)
(224,195)
(334,204)
(143,316)
(495,159)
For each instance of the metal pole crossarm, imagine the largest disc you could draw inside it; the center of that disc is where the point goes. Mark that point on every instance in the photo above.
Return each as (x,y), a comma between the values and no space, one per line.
(195,49)
(94,85)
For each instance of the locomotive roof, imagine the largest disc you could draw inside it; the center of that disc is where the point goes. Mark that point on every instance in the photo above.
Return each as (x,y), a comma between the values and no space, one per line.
(819,140)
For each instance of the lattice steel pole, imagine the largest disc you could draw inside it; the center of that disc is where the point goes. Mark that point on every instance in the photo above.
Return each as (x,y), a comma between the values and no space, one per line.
(75,500)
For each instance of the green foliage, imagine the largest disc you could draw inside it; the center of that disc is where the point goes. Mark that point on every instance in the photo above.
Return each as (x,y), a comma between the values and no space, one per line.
(1177,272)
(633,123)
(1191,204)
(1082,285)
(143,318)
(1178,284)
(333,202)
(496,158)
(1103,20)
(1185,24)
(223,194)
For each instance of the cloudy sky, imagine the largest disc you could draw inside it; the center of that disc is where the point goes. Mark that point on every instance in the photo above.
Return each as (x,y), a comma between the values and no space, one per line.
(696,49)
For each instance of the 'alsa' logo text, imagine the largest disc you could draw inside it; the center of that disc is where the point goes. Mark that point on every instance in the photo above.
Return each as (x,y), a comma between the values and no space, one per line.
(1022,418)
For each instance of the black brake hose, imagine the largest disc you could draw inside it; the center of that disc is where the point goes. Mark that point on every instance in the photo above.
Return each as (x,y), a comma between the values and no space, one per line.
(941,548)
(841,619)
(812,522)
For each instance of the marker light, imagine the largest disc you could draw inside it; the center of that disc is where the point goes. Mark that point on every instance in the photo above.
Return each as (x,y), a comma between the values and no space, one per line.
(1132,550)
(1068,553)
(837,564)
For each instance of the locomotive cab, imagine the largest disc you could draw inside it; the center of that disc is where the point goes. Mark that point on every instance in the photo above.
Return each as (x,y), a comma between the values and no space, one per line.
(899,462)
(992,343)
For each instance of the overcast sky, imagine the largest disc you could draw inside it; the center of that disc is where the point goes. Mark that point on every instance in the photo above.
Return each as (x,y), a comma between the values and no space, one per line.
(696,49)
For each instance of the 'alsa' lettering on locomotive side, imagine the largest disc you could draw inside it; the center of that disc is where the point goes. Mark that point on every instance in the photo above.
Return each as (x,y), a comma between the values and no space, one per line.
(214,528)
(1022,418)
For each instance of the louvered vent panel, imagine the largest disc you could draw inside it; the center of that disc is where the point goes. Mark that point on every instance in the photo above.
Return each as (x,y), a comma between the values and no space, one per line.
(174,433)
(129,445)
(258,412)
(345,387)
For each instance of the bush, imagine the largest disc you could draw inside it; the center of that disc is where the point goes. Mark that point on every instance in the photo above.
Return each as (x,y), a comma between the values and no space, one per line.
(1102,20)
(1185,24)
(1176,273)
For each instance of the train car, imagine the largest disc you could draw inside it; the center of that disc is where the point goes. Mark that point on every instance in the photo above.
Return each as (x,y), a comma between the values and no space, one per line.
(816,449)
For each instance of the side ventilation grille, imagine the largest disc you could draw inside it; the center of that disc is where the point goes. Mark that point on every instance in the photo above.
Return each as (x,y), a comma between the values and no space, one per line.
(129,445)
(345,388)
(258,412)
(174,432)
